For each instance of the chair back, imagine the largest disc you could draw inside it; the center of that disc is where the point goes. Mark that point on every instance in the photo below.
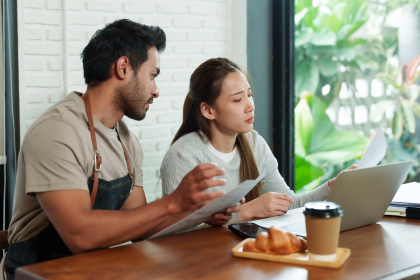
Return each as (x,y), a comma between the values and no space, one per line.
(4,244)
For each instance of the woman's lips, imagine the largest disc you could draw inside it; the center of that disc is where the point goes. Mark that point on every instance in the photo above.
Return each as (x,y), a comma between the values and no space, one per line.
(250,120)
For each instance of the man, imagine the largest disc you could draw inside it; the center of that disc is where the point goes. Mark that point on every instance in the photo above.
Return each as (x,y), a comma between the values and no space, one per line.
(79,155)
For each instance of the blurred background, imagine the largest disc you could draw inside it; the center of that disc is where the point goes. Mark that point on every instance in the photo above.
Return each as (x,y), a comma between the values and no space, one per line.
(326,74)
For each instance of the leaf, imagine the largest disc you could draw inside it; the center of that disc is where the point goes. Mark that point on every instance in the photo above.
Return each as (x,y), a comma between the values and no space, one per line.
(303,123)
(377,113)
(348,53)
(307,77)
(408,117)
(397,123)
(327,67)
(303,37)
(324,37)
(388,79)
(300,15)
(413,92)
(331,22)
(415,107)
(338,147)
(305,172)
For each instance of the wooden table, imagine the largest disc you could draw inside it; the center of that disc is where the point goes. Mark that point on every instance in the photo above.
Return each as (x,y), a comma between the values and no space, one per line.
(388,250)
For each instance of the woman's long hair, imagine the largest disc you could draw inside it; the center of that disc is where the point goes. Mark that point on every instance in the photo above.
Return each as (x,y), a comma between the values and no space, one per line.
(205,86)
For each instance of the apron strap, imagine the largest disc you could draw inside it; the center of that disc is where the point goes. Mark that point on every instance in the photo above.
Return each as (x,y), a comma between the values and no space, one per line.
(98,158)
(97,154)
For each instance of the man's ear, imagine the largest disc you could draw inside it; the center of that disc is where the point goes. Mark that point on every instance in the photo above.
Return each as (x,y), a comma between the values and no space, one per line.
(207,111)
(122,66)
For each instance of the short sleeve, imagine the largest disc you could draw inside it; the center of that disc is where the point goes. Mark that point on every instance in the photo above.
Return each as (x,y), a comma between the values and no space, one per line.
(53,158)
(177,162)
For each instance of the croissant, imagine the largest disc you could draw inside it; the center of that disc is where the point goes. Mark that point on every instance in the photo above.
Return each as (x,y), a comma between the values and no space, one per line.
(276,242)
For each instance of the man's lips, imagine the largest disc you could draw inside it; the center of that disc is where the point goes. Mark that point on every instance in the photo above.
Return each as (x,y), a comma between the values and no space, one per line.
(250,120)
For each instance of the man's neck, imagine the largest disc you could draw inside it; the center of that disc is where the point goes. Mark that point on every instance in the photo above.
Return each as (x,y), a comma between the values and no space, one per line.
(101,101)
(224,142)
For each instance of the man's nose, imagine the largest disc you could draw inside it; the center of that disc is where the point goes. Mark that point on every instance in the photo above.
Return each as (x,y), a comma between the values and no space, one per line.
(155,93)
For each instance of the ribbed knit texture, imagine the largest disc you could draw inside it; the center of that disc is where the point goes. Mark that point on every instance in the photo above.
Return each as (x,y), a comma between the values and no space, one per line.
(190,150)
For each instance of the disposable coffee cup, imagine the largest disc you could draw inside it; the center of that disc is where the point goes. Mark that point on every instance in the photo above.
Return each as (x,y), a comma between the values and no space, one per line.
(322,229)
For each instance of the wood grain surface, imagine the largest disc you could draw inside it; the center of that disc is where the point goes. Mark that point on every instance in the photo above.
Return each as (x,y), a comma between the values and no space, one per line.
(381,250)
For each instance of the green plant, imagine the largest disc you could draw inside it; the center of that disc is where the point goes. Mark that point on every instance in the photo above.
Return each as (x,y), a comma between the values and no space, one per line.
(319,146)
(404,93)
(325,51)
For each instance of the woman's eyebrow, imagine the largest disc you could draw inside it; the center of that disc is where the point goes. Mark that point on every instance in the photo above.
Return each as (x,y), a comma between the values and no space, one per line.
(238,92)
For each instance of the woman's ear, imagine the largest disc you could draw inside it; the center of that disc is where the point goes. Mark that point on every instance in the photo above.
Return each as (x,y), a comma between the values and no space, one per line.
(207,111)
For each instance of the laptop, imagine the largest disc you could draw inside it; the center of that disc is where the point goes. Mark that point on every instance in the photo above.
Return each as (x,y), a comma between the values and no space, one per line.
(363,194)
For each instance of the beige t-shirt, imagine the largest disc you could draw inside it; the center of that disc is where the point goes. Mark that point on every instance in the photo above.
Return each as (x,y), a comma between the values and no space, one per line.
(57,154)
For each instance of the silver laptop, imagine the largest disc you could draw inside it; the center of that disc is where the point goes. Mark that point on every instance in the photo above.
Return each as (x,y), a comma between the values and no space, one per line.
(364,195)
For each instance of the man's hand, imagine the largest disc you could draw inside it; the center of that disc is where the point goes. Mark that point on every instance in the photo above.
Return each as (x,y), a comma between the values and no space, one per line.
(332,181)
(268,205)
(220,219)
(189,195)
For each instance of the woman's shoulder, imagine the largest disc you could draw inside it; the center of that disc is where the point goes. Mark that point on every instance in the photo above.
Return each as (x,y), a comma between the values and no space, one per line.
(191,143)
(255,140)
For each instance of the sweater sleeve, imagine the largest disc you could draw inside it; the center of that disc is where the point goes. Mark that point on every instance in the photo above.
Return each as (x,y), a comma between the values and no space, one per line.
(177,162)
(274,182)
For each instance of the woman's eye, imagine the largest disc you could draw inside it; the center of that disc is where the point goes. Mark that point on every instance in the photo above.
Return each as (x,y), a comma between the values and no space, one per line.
(237,100)
(250,95)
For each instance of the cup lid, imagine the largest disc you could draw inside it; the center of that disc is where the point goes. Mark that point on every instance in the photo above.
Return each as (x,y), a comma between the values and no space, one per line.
(323,209)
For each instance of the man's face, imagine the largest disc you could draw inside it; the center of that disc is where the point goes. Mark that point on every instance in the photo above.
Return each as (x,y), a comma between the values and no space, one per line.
(135,97)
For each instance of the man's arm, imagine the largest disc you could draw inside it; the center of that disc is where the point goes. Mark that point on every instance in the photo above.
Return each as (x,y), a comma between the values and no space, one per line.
(84,229)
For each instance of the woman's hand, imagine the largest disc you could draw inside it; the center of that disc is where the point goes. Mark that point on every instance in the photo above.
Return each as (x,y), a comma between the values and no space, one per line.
(220,219)
(268,205)
(332,181)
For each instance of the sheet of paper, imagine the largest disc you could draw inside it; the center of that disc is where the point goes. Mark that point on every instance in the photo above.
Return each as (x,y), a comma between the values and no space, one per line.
(375,152)
(408,193)
(291,217)
(219,205)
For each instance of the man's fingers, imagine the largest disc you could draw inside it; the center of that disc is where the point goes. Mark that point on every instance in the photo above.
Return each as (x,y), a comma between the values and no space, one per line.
(222,216)
(210,196)
(210,183)
(242,200)
(201,167)
(208,174)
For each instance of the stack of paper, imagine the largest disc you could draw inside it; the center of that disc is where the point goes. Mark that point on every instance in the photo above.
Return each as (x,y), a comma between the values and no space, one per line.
(408,195)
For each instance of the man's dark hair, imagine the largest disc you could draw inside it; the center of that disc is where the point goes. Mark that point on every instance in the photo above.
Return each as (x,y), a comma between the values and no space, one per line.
(120,38)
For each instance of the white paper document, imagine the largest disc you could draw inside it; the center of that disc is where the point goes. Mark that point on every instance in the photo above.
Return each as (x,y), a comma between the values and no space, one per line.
(219,205)
(408,194)
(375,152)
(291,217)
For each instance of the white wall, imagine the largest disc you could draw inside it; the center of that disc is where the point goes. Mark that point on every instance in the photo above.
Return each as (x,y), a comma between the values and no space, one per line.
(196,30)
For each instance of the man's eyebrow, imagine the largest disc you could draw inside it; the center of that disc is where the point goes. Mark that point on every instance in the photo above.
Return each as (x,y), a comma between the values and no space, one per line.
(238,92)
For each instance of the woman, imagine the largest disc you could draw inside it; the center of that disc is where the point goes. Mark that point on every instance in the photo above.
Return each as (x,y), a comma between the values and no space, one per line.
(218,127)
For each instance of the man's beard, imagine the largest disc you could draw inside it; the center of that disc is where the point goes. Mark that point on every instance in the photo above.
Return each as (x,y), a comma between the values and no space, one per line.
(131,98)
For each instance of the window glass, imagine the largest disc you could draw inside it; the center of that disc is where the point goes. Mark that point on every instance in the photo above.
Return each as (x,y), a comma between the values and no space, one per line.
(356,71)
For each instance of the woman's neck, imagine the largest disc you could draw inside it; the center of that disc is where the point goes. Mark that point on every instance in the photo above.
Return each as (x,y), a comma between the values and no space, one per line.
(221,141)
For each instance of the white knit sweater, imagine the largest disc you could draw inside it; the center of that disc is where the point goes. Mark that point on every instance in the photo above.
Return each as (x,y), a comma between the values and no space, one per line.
(190,150)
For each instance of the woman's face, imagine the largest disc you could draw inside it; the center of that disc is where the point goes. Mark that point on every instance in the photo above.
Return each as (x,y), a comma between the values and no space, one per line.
(234,109)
